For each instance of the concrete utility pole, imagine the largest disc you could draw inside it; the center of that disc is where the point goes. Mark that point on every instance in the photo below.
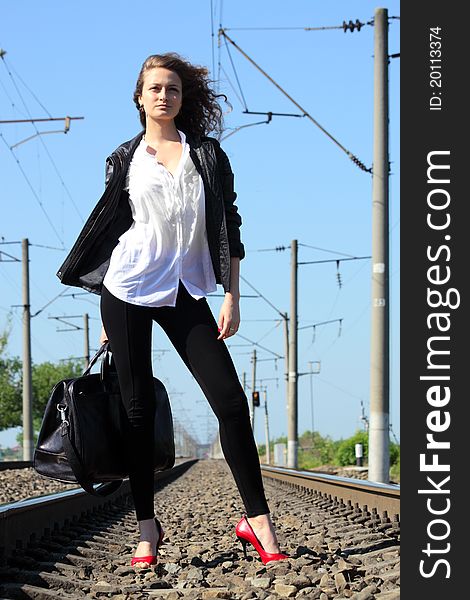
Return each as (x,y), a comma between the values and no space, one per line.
(28,444)
(253,388)
(379,459)
(87,339)
(266,427)
(313,372)
(292,426)
(286,356)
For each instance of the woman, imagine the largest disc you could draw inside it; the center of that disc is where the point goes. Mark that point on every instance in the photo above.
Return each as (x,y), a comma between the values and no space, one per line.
(183,239)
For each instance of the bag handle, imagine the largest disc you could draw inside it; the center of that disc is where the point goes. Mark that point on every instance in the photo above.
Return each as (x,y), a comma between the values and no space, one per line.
(108,368)
(106,361)
(102,349)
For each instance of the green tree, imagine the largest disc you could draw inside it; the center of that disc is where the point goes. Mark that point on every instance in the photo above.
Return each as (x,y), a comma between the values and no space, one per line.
(11,383)
(315,450)
(45,375)
(346,452)
(43,378)
(395,454)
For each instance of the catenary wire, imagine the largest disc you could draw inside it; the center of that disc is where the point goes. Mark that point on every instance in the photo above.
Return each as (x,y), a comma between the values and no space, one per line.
(32,189)
(245,105)
(42,141)
(350,155)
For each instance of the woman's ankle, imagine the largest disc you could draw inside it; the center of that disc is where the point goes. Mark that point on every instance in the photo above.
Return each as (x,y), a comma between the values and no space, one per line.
(148,529)
(261,520)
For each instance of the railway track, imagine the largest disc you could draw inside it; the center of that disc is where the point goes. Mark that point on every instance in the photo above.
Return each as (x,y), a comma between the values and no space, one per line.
(7,465)
(380,501)
(343,541)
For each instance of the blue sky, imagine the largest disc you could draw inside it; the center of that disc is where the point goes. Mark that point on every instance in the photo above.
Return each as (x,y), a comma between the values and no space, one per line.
(292,181)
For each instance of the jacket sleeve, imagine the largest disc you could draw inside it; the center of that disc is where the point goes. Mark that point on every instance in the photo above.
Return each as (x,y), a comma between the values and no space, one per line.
(232,216)
(108,171)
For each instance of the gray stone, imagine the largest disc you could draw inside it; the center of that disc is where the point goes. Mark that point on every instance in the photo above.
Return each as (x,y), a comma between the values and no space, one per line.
(123,571)
(300,580)
(285,591)
(172,567)
(366,594)
(194,574)
(130,589)
(309,592)
(277,570)
(326,581)
(181,585)
(344,565)
(390,595)
(215,593)
(105,587)
(261,582)
(340,582)
(164,594)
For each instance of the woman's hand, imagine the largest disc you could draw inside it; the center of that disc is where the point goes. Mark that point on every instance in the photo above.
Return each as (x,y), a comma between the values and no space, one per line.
(229,316)
(103,336)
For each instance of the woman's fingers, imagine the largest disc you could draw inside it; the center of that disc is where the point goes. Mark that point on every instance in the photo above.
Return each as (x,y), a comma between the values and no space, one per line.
(229,320)
(227,330)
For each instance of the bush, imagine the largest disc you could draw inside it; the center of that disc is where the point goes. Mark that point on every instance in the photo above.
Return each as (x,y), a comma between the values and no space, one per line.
(316,450)
(395,455)
(395,471)
(346,451)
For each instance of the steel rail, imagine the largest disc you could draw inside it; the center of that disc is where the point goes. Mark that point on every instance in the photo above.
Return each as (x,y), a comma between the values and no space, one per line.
(26,520)
(366,495)
(5,465)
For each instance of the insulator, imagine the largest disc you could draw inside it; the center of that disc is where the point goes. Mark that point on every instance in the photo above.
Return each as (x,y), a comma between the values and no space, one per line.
(352,26)
(357,162)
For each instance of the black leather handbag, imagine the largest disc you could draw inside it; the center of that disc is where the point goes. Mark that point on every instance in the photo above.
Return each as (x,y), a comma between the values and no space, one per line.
(85,429)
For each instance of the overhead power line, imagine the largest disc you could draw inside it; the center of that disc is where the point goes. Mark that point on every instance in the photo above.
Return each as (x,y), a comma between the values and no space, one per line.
(38,133)
(38,199)
(336,260)
(351,156)
(346,26)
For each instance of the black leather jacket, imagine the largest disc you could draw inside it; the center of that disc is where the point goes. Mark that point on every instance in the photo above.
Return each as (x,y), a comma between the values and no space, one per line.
(88,260)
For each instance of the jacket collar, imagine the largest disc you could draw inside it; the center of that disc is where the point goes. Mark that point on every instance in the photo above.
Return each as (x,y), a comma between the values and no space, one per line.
(126,150)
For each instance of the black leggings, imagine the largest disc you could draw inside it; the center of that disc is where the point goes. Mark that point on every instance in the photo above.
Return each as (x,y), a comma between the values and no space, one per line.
(193,331)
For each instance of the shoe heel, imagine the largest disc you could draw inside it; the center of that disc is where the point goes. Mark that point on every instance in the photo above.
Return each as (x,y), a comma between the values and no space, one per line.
(244,544)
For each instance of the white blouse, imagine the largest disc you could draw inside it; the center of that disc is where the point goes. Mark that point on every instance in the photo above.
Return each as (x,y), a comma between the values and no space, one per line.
(167,242)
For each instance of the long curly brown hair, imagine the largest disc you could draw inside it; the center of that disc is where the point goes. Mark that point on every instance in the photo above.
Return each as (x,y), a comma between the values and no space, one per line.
(200,111)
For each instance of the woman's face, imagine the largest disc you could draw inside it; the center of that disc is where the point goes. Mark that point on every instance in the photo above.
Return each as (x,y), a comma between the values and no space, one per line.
(161,94)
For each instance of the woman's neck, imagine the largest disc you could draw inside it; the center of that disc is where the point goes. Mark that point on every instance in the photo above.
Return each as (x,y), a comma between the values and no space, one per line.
(158,131)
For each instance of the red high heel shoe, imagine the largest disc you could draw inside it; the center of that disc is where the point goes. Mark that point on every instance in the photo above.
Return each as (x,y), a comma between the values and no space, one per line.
(246,535)
(151,560)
